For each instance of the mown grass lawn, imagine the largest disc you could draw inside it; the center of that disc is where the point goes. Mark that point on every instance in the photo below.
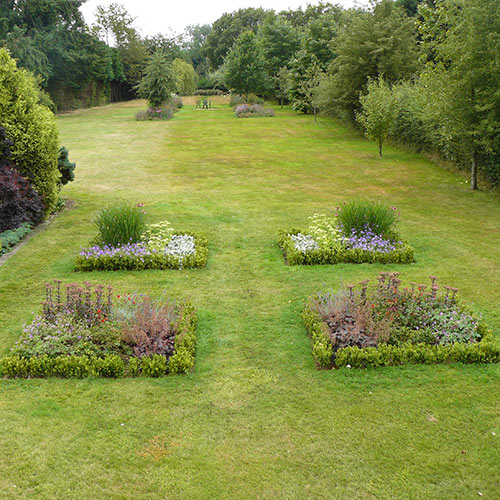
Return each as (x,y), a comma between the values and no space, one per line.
(255,419)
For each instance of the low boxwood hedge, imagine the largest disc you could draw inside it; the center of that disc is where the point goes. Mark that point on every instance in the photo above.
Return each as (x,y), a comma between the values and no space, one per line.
(486,351)
(401,255)
(118,262)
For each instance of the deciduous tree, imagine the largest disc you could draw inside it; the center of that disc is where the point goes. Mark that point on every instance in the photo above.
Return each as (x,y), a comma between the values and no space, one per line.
(244,69)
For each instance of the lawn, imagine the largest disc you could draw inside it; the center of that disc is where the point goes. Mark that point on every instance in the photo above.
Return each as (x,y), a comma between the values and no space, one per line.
(255,419)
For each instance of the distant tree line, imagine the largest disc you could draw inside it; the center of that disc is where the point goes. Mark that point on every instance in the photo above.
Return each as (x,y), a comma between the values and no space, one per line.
(422,72)
(78,65)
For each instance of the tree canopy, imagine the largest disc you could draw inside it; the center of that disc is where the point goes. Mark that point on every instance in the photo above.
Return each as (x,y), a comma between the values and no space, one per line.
(244,68)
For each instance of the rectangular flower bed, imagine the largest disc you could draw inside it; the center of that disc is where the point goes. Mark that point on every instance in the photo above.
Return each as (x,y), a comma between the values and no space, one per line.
(180,251)
(302,249)
(358,232)
(88,331)
(387,325)
(126,242)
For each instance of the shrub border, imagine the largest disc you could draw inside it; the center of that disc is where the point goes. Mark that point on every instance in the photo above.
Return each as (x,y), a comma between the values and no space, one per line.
(486,351)
(402,255)
(106,263)
(111,366)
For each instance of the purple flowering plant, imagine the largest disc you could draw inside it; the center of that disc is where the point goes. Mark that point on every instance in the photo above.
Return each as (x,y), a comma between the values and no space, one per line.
(250,110)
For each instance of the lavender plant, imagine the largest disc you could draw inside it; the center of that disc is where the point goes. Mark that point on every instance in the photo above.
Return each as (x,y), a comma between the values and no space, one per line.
(250,110)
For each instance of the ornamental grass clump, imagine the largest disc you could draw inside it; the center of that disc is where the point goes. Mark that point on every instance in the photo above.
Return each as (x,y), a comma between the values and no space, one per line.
(387,314)
(120,224)
(359,216)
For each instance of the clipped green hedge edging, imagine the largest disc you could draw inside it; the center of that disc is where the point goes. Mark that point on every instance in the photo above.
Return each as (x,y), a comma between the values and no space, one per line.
(155,261)
(402,255)
(111,366)
(486,351)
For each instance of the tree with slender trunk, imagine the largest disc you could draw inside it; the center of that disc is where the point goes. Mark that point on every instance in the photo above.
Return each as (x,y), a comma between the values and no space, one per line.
(464,74)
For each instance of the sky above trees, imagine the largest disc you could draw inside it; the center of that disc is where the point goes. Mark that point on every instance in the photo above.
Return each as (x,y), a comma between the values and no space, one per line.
(154,17)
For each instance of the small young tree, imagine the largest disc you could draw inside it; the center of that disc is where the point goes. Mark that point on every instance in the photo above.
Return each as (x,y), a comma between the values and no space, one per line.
(244,69)
(159,82)
(309,87)
(282,84)
(378,111)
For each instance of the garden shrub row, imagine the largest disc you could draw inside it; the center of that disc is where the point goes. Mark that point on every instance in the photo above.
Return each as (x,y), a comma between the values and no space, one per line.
(10,238)
(111,366)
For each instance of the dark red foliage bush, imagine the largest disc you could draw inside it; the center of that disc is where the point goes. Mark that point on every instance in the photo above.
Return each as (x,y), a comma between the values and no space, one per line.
(153,328)
(350,322)
(19,202)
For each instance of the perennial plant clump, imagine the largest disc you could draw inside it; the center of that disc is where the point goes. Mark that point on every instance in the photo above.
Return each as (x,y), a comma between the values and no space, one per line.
(303,242)
(250,110)
(155,113)
(367,240)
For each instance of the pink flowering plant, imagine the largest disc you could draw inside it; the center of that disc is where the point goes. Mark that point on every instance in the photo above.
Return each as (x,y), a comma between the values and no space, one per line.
(400,321)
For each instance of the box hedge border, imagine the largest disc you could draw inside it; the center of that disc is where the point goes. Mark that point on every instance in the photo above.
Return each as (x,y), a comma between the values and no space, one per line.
(156,261)
(401,255)
(111,366)
(486,351)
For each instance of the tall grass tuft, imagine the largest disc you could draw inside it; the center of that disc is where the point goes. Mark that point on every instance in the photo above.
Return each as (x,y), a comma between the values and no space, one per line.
(358,215)
(120,224)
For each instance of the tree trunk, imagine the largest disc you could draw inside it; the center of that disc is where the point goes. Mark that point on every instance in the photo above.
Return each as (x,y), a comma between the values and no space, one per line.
(473,173)
(380,148)
(281,103)
(314,110)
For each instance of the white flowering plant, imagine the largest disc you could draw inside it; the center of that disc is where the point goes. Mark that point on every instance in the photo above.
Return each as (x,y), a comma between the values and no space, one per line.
(324,231)
(157,236)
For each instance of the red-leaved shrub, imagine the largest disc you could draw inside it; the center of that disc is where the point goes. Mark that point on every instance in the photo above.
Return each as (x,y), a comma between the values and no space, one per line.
(19,202)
